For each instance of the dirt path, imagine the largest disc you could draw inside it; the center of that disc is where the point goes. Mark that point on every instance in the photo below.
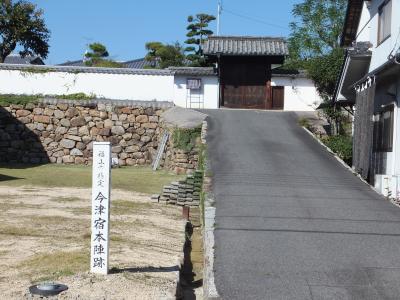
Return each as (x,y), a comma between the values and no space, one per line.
(45,236)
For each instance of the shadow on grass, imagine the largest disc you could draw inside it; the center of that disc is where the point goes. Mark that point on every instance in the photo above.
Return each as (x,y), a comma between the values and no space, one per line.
(145,270)
(19,166)
(8,178)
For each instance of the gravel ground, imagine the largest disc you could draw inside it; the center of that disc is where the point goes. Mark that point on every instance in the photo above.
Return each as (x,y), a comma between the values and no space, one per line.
(45,236)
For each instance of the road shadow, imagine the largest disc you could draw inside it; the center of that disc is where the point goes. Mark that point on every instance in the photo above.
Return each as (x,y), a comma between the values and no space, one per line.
(149,269)
(187,284)
(20,144)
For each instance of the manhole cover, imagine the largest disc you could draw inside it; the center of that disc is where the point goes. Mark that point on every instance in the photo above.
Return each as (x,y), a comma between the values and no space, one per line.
(47,289)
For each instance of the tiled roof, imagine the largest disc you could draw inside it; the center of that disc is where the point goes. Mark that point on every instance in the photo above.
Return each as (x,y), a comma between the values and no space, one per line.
(351,22)
(139,63)
(73,69)
(288,73)
(194,71)
(75,63)
(27,60)
(245,45)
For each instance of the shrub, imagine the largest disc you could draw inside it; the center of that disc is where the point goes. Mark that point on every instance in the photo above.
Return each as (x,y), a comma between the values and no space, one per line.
(185,139)
(7,99)
(342,145)
(304,122)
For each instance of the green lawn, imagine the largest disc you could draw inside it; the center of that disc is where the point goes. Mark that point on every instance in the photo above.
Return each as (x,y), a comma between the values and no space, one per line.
(139,179)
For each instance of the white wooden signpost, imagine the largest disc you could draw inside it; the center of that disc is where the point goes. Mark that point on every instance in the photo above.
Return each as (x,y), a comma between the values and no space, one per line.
(101,180)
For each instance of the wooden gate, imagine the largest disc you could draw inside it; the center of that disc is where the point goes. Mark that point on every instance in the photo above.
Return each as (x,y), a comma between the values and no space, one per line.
(245,86)
(278,94)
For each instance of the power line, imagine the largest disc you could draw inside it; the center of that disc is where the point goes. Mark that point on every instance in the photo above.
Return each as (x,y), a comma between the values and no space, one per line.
(253,19)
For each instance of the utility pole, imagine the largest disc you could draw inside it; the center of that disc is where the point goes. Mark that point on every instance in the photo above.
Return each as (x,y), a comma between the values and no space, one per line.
(219,15)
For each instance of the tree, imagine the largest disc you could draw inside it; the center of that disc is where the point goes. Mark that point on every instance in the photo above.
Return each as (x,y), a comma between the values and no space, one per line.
(22,24)
(314,46)
(165,55)
(198,32)
(97,57)
(317,30)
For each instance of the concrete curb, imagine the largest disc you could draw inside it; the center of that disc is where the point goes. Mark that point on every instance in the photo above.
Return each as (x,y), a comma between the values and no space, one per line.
(209,289)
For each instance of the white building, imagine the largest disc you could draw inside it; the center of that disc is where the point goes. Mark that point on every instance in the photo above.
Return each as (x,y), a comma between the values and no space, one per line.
(370,82)
(184,86)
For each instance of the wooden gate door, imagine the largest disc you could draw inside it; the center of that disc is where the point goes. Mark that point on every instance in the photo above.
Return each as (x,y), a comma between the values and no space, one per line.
(244,86)
(278,94)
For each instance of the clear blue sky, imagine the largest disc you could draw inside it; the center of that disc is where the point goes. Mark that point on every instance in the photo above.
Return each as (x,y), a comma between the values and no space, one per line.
(124,26)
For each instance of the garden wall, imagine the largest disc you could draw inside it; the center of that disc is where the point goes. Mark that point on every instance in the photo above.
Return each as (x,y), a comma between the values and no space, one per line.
(111,83)
(59,131)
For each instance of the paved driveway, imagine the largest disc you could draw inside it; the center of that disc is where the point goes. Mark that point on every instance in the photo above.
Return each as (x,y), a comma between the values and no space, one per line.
(292,223)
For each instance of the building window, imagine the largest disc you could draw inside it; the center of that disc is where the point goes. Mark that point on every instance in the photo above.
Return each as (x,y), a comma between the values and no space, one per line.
(383,130)
(385,21)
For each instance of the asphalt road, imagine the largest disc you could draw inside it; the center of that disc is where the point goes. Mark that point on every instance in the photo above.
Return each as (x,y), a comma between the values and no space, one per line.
(291,222)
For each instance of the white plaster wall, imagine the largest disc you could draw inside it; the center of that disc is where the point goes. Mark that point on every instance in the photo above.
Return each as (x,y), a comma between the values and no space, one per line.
(396,132)
(112,86)
(381,51)
(300,93)
(209,91)
(364,28)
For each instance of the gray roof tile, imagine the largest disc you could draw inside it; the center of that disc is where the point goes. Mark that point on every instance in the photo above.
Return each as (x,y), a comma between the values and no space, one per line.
(78,69)
(194,71)
(27,60)
(245,45)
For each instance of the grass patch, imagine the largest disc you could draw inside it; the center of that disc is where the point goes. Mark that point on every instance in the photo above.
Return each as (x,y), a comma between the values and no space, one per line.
(66,199)
(123,207)
(81,211)
(19,231)
(139,179)
(51,266)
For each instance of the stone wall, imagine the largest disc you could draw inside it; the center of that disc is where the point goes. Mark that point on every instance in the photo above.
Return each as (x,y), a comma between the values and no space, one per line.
(64,132)
(182,161)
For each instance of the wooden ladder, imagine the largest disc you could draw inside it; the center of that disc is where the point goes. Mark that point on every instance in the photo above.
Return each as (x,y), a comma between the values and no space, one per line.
(160,151)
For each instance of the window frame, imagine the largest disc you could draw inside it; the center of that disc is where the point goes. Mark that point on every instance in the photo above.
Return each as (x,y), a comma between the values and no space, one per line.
(382,39)
(383,138)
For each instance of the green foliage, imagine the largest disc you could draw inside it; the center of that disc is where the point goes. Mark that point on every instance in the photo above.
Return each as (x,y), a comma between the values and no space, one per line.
(76,96)
(22,24)
(7,99)
(342,145)
(198,32)
(33,70)
(324,70)
(316,29)
(164,55)
(304,122)
(314,46)
(185,139)
(202,157)
(313,42)
(96,57)
(98,50)
(103,63)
